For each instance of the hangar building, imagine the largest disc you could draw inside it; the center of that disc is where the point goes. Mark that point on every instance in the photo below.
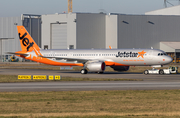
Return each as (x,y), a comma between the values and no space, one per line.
(90,30)
(74,31)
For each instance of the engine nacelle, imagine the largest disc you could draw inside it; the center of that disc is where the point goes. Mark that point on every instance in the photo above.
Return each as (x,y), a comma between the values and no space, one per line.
(96,66)
(120,68)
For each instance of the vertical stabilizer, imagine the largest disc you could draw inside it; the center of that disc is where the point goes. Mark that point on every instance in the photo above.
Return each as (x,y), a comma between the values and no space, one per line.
(26,41)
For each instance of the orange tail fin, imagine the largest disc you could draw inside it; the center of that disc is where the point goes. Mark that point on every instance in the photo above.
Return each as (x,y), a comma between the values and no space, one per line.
(26,41)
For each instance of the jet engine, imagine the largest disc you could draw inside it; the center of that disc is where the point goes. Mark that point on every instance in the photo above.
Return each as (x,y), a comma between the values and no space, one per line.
(120,68)
(96,66)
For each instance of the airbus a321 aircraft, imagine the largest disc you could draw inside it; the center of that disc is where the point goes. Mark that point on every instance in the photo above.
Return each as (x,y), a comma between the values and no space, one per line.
(95,60)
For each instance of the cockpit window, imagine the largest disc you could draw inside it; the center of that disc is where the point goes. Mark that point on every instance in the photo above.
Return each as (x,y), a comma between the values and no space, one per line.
(161,54)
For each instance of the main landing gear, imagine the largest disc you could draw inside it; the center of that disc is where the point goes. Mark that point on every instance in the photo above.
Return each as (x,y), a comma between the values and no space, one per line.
(97,67)
(84,71)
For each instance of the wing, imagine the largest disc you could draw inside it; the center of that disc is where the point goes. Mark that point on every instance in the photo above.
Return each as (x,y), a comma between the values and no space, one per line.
(68,59)
(23,54)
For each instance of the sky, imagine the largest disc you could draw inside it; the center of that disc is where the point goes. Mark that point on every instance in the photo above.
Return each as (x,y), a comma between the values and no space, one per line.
(11,8)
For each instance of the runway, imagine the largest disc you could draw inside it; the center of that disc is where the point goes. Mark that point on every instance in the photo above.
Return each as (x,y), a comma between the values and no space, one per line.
(150,82)
(87,86)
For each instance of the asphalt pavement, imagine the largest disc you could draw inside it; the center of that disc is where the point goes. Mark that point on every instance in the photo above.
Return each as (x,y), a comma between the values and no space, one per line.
(150,82)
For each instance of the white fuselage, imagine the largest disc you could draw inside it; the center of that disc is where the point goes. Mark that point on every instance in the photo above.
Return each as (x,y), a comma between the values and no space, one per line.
(131,57)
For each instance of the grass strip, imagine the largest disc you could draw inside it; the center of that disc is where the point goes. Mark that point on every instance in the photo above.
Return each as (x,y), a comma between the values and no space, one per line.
(14,78)
(68,104)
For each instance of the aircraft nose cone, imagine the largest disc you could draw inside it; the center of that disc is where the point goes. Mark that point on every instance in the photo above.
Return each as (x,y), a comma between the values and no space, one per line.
(168,60)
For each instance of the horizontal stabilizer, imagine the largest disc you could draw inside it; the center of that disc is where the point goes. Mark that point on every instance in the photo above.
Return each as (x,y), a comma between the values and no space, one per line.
(23,54)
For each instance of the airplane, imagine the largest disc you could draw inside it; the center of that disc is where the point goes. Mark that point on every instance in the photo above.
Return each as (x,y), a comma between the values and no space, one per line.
(95,60)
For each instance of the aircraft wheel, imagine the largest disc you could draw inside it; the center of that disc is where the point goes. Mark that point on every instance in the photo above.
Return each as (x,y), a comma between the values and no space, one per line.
(84,71)
(161,72)
(146,72)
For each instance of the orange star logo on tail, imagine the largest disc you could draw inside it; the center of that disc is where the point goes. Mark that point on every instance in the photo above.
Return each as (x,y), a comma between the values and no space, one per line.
(141,54)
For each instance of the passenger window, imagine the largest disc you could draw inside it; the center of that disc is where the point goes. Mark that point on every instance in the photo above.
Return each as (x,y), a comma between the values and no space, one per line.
(158,54)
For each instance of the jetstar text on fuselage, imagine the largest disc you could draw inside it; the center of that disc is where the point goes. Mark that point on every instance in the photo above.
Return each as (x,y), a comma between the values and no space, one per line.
(127,54)
(130,54)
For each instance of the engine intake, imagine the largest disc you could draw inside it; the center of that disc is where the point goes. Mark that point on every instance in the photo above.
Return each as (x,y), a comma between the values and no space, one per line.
(96,66)
(120,68)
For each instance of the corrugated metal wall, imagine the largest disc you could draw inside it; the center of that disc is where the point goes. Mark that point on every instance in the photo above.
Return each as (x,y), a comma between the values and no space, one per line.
(90,31)
(86,31)
(8,34)
(146,31)
(8,26)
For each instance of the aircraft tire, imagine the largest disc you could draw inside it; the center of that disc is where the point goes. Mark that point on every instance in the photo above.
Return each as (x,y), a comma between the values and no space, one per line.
(161,72)
(84,71)
(146,72)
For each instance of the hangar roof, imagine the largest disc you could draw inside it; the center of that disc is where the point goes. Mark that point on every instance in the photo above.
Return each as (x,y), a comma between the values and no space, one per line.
(174,10)
(170,46)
